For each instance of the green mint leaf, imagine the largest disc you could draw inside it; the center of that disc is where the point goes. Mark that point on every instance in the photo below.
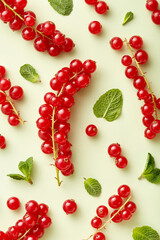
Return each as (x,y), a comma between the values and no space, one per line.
(145,233)
(93,187)
(154,176)
(16,176)
(63,7)
(29,162)
(109,105)
(26,167)
(29,73)
(128,17)
(150,164)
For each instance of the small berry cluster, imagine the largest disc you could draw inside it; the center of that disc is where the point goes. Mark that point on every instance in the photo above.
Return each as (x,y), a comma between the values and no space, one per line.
(45,34)
(69,206)
(122,211)
(2,142)
(53,126)
(7,106)
(114,150)
(152,5)
(91,130)
(140,82)
(33,223)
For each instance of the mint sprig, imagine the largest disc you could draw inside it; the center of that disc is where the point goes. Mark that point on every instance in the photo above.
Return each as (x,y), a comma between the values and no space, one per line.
(151,173)
(128,17)
(63,7)
(145,233)
(92,186)
(29,73)
(26,168)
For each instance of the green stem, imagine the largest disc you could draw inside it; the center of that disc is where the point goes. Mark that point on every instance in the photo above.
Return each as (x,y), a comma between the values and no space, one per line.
(140,177)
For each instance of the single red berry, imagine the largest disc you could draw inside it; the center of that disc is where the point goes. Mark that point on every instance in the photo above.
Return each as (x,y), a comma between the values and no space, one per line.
(43,124)
(60,137)
(62,163)
(62,114)
(142,94)
(76,66)
(48,96)
(139,82)
(116,43)
(114,150)
(45,135)
(44,221)
(99,236)
(69,206)
(13,232)
(28,33)
(6,108)
(2,141)
(5,84)
(96,222)
(141,56)
(55,101)
(2,7)
(126,60)
(16,23)
(126,214)
(6,15)
(147,109)
(149,134)
(124,191)
(91,2)
(62,127)
(62,76)
(121,162)
(13,203)
(31,237)
(157,103)
(82,80)
(16,92)
(13,120)
(18,10)
(155,126)
(40,44)
(89,66)
(42,209)
(147,120)
(65,147)
(91,130)
(131,206)
(68,45)
(152,5)
(47,147)
(131,72)
(2,71)
(101,7)
(136,42)
(58,39)
(29,21)
(21,226)
(37,231)
(67,100)
(46,110)
(20,3)
(149,99)
(30,220)
(29,13)
(32,207)
(2,97)
(117,218)
(55,84)
(102,211)
(115,201)
(48,28)
(95,27)
(70,88)
(54,50)
(65,154)
(69,171)
(156,17)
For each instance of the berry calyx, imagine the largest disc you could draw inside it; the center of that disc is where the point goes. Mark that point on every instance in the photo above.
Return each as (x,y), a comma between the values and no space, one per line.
(69,206)
(91,130)
(102,211)
(13,203)
(114,150)
(95,27)
(116,43)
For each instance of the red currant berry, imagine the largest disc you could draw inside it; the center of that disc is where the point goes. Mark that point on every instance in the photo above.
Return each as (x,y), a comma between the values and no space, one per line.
(89,66)
(131,206)
(37,231)
(2,7)
(139,82)
(2,141)
(149,134)
(32,207)
(126,60)
(136,42)
(62,127)
(63,114)
(16,92)
(29,21)
(2,71)
(20,3)
(62,76)
(82,80)
(6,15)
(28,33)
(45,135)
(114,150)
(149,99)
(68,45)
(60,137)
(126,214)
(95,27)
(96,222)
(55,84)
(47,147)
(43,209)
(54,50)
(70,88)
(18,10)
(16,23)
(65,147)
(155,126)
(76,66)
(91,2)
(131,72)
(142,94)
(55,101)
(116,43)
(31,237)
(13,232)
(69,171)
(65,154)
(40,44)
(48,96)
(2,97)
(62,163)
(101,7)
(152,5)
(21,226)
(91,130)
(30,13)
(115,201)
(147,110)
(13,120)
(58,39)
(99,236)
(67,100)
(147,120)
(156,17)
(5,84)
(69,206)
(44,221)
(30,220)
(45,111)
(13,203)
(6,108)
(102,211)
(141,56)
(43,124)
(124,191)
(117,218)
(121,162)
(48,28)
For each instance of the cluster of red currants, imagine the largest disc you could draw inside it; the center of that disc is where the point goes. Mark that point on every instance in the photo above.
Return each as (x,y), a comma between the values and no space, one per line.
(2,142)
(139,82)
(118,215)
(45,34)
(114,150)
(15,93)
(152,5)
(33,223)
(53,126)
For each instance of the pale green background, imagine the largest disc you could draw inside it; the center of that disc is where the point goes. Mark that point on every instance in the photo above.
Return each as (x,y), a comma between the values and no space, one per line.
(89,154)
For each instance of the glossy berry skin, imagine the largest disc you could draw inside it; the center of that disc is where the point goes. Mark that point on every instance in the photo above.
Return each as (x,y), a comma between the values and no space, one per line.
(91,130)
(118,217)
(13,120)
(48,96)
(48,28)
(69,171)
(29,13)
(156,17)
(99,236)
(116,43)
(62,163)
(63,114)
(139,82)
(16,24)
(2,235)
(126,60)
(54,50)
(16,92)
(47,147)
(96,222)
(37,231)
(91,2)
(89,66)
(67,100)
(102,211)
(62,127)
(45,135)
(29,220)
(60,137)
(115,201)
(42,209)
(157,103)
(2,98)
(121,162)
(6,15)
(76,66)
(149,134)
(131,206)
(149,99)
(21,226)
(44,221)
(65,147)
(95,27)
(2,141)
(20,3)
(13,203)
(55,84)
(70,88)
(28,33)
(45,111)
(142,94)
(131,72)
(40,45)
(155,126)
(101,7)
(43,124)
(58,39)
(29,21)
(114,150)
(5,84)
(141,56)
(82,80)
(126,214)
(124,191)
(147,120)
(2,71)
(69,206)
(2,7)
(32,207)
(14,232)
(136,42)
(6,108)
(31,237)
(147,109)
(152,5)
(62,76)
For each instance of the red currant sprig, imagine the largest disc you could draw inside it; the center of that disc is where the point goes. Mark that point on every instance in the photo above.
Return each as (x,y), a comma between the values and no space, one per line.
(152,5)
(53,124)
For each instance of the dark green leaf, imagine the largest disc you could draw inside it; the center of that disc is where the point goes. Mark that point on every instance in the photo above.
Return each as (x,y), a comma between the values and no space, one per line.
(150,164)
(128,17)
(154,176)
(145,233)
(109,105)
(93,187)
(16,176)
(29,73)
(63,7)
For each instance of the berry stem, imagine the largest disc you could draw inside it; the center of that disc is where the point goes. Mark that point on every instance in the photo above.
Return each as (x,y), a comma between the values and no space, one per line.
(108,221)
(143,74)
(21,237)
(14,109)
(140,177)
